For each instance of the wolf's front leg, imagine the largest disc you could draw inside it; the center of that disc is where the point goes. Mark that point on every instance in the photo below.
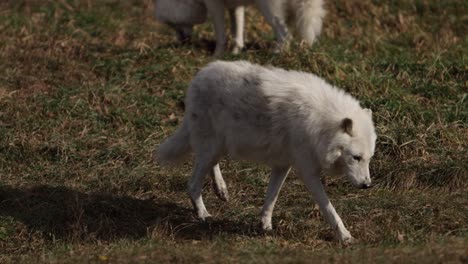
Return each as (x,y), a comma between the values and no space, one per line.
(311,179)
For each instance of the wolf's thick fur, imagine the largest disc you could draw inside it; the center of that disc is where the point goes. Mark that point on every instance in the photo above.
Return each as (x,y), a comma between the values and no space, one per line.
(183,14)
(277,117)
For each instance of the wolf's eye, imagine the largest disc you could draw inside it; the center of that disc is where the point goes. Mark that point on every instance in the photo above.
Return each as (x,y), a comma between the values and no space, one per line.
(357,158)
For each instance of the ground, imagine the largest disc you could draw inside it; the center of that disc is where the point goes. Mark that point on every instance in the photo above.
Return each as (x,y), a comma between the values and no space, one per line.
(87,88)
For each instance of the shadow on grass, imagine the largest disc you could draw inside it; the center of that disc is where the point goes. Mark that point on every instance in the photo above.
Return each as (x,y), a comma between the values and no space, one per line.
(64,213)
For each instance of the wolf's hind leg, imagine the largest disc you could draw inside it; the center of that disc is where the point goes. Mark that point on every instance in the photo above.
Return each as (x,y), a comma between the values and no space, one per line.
(278,175)
(201,169)
(219,185)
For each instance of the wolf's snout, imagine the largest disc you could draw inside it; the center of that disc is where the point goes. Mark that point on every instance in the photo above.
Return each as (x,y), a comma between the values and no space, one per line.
(365,186)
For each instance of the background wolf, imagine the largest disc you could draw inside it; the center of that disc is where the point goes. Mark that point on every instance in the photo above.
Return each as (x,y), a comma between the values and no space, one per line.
(307,16)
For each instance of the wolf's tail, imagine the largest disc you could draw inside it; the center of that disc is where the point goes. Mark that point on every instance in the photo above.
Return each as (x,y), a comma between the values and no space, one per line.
(309,15)
(175,148)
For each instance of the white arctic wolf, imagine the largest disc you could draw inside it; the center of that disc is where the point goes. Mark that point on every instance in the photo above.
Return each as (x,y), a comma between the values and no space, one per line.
(183,14)
(281,118)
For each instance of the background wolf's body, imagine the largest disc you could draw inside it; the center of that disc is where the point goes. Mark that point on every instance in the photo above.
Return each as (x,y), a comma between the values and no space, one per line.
(307,16)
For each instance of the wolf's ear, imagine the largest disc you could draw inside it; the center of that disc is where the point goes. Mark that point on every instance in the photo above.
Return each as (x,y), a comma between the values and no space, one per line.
(368,111)
(347,126)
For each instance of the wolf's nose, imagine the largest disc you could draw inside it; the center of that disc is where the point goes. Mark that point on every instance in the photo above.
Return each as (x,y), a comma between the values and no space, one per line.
(365,186)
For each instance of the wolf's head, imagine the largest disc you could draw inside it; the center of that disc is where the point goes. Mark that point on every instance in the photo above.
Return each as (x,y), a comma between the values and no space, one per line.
(352,148)
(181,15)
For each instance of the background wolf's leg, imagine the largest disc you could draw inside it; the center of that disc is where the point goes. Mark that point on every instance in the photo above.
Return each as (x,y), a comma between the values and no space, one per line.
(278,175)
(216,10)
(219,185)
(237,27)
(275,15)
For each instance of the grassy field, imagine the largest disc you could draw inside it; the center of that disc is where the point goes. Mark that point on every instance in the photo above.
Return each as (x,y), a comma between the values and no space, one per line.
(87,88)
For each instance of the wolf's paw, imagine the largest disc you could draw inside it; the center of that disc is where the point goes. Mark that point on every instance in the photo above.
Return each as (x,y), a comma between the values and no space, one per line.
(222,193)
(267,228)
(236,50)
(346,239)
(220,190)
(204,216)
(349,241)
(266,224)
